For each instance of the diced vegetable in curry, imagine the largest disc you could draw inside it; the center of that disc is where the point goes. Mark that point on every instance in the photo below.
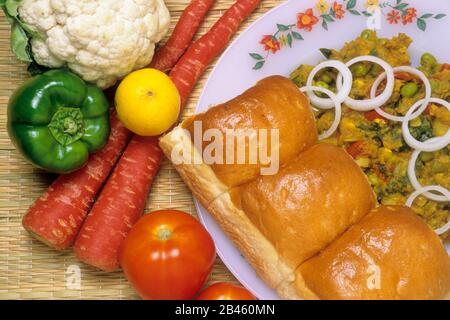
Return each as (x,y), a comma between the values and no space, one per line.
(376,143)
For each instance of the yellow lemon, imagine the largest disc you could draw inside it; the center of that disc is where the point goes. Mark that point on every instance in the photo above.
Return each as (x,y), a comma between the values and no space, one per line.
(147,102)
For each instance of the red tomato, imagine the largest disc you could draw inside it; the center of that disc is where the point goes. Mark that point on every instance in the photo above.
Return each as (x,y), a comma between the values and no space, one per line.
(445,66)
(427,110)
(404,76)
(225,291)
(372,115)
(168,254)
(356,149)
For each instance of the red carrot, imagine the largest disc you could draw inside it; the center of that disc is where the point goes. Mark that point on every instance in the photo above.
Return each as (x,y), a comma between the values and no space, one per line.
(166,57)
(124,193)
(98,242)
(201,53)
(56,217)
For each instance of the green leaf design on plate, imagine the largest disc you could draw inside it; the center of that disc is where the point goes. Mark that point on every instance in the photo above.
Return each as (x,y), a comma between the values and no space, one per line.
(289,40)
(355,12)
(398,2)
(282,27)
(256,56)
(258,65)
(327,17)
(297,35)
(351,4)
(401,6)
(421,24)
(332,12)
(367,14)
(426,16)
(440,16)
(324,25)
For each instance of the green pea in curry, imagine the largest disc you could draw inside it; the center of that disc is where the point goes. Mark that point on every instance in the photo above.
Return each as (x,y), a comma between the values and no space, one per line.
(376,143)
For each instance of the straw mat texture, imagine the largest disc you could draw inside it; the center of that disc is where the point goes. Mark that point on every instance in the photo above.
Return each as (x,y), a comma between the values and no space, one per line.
(30,270)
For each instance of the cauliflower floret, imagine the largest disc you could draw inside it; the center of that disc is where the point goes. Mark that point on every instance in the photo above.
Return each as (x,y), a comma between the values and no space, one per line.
(43,56)
(101,40)
(38,14)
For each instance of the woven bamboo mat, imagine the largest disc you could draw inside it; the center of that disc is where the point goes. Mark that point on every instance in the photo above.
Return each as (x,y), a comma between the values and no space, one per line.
(30,270)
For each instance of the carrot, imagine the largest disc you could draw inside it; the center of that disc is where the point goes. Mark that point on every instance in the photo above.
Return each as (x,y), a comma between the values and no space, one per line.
(166,57)
(201,53)
(98,241)
(56,217)
(124,193)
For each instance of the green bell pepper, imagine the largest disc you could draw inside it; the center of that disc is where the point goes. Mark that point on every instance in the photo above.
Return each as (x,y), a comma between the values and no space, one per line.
(55,120)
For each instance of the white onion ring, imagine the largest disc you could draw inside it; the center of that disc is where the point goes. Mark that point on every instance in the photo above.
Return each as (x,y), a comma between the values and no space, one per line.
(413,178)
(344,71)
(337,112)
(413,71)
(378,101)
(429,146)
(437,188)
(443,229)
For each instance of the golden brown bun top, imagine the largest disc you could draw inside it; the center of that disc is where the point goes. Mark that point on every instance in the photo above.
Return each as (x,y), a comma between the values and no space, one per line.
(274,102)
(308,203)
(390,254)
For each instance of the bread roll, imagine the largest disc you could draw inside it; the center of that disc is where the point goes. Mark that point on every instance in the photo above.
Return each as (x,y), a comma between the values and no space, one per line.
(254,246)
(390,254)
(291,226)
(308,203)
(273,103)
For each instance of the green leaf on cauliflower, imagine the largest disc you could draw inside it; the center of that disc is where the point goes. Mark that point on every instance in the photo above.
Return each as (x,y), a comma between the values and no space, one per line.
(20,43)
(20,31)
(127,52)
(7,15)
(12,7)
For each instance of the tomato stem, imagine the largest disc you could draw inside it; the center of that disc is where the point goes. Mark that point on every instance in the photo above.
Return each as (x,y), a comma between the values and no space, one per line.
(164,234)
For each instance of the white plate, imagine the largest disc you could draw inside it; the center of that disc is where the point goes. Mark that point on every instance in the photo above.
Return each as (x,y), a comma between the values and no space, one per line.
(234,72)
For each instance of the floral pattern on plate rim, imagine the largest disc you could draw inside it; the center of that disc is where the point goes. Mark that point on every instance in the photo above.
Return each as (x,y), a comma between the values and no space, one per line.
(326,13)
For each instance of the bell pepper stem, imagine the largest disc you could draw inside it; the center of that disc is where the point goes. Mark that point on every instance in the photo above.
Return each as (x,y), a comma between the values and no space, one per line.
(67,125)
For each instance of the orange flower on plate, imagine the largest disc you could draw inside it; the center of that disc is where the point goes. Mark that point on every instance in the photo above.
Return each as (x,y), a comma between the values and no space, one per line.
(270,43)
(306,20)
(338,11)
(410,14)
(393,17)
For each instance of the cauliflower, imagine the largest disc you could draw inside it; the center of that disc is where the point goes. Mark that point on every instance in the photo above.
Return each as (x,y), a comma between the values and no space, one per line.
(100,40)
